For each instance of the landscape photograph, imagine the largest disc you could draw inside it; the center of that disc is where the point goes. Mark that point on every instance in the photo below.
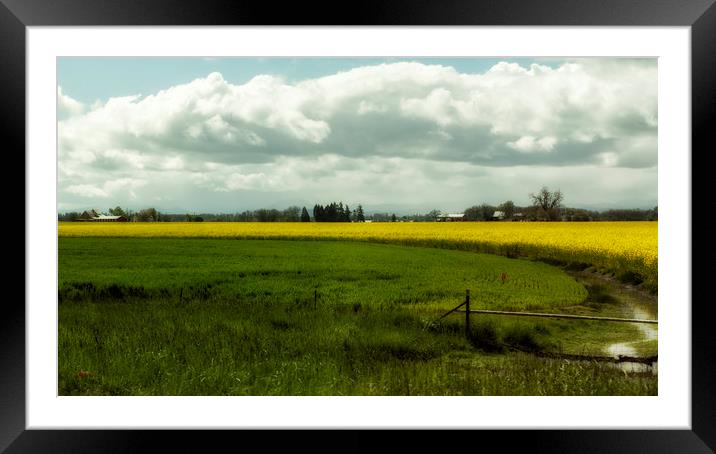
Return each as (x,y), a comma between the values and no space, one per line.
(357,226)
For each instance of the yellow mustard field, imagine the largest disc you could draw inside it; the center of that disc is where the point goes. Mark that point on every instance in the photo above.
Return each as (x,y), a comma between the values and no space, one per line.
(615,246)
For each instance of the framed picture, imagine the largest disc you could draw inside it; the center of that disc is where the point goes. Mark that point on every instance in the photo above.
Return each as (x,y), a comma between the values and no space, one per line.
(56,50)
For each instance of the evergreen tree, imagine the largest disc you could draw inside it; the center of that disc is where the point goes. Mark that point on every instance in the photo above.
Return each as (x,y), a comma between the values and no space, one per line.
(317,213)
(305,217)
(331,212)
(360,217)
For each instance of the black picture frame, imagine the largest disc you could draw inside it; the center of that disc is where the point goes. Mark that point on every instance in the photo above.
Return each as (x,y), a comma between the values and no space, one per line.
(699,15)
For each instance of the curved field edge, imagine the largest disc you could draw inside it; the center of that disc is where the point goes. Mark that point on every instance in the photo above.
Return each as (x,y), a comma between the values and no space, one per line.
(628,250)
(281,271)
(202,343)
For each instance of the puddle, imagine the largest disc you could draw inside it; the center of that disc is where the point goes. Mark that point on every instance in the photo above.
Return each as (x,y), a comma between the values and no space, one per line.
(648,332)
(639,368)
(639,305)
(621,349)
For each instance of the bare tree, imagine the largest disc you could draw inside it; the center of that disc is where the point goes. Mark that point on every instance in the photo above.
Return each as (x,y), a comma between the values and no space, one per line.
(548,203)
(147,215)
(434,215)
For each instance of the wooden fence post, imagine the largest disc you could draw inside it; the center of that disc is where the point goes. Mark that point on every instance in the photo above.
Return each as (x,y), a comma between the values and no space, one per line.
(467,313)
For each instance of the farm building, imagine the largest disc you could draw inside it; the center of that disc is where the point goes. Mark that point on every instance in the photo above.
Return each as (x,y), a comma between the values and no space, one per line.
(94,216)
(451,217)
(103,218)
(87,215)
(498,215)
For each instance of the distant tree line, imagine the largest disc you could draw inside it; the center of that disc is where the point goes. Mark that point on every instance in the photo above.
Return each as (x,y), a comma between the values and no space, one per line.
(486,212)
(546,206)
(625,215)
(386,217)
(145,215)
(68,216)
(290,214)
(480,213)
(336,212)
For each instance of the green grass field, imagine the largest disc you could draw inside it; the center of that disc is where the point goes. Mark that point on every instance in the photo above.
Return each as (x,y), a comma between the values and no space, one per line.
(240,317)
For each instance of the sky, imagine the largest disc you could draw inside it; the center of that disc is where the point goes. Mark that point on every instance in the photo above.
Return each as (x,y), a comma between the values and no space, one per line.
(403,135)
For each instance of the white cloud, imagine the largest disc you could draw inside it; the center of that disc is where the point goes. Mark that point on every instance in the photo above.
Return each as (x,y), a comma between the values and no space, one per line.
(108,188)
(66,106)
(529,144)
(86,190)
(365,107)
(370,129)
(609,158)
(175,163)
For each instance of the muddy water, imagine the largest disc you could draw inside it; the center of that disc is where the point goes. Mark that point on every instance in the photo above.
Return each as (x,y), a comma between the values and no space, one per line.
(640,368)
(636,304)
(649,331)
